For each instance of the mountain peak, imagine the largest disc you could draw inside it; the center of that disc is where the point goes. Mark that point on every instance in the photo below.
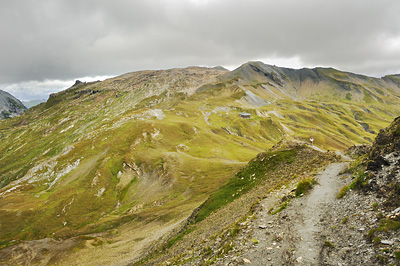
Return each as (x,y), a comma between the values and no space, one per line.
(313,84)
(128,159)
(10,106)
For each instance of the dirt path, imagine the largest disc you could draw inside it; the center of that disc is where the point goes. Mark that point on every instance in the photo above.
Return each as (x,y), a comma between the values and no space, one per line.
(313,211)
(297,234)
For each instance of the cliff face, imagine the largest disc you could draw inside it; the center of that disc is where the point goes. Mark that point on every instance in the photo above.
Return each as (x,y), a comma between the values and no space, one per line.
(315,84)
(383,167)
(10,106)
(387,141)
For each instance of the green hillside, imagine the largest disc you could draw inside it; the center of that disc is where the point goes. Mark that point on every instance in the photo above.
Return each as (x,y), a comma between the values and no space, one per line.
(149,147)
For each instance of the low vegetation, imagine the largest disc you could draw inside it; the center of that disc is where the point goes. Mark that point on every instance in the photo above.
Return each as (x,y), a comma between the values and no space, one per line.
(150,147)
(222,220)
(343,192)
(328,244)
(256,171)
(303,186)
(281,208)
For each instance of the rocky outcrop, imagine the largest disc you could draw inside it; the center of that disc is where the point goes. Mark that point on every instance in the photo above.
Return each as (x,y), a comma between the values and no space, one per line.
(383,167)
(358,150)
(10,106)
(306,84)
(387,142)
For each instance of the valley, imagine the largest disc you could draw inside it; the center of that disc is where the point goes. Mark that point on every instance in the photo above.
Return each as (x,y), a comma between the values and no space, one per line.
(141,166)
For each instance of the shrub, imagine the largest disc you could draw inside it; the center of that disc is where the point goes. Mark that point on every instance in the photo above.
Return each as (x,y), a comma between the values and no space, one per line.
(397,254)
(342,192)
(304,185)
(282,207)
(359,182)
(328,244)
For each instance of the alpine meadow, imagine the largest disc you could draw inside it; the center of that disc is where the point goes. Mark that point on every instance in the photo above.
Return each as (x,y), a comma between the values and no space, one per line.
(168,167)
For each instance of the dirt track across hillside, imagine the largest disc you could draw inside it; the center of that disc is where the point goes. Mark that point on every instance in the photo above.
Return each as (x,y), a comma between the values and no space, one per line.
(315,229)
(296,235)
(310,211)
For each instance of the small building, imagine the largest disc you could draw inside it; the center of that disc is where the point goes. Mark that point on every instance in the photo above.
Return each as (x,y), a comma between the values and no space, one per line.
(244,115)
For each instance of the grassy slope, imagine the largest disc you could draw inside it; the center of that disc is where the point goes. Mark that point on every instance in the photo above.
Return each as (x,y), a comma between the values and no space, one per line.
(225,209)
(115,161)
(90,193)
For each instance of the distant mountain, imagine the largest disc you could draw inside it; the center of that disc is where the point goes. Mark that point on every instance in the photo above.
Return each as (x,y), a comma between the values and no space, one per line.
(110,166)
(10,106)
(316,83)
(33,103)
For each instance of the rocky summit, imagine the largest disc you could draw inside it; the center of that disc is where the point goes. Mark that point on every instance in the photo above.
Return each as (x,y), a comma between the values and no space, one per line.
(174,167)
(10,106)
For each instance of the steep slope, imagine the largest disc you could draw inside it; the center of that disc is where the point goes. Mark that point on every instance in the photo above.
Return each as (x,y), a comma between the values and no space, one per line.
(206,241)
(356,225)
(10,106)
(127,159)
(371,205)
(352,106)
(130,150)
(317,84)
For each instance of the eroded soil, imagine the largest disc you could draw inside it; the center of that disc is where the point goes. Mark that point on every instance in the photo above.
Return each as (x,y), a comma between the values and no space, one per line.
(296,234)
(315,229)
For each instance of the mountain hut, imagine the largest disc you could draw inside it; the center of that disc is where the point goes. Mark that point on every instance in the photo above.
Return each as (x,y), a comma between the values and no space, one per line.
(244,115)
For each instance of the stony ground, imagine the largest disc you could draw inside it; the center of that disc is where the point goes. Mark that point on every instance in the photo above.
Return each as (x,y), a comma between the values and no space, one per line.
(316,229)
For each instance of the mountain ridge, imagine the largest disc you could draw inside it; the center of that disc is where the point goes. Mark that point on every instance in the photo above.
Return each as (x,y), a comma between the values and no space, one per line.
(10,106)
(144,149)
(298,82)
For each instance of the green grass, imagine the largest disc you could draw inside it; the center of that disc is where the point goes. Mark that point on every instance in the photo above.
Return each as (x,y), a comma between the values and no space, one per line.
(329,244)
(281,208)
(343,191)
(248,177)
(110,130)
(254,241)
(359,181)
(179,237)
(397,254)
(304,185)
(389,225)
(376,240)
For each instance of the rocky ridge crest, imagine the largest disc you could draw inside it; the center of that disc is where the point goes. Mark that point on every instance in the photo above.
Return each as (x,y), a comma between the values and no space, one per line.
(10,106)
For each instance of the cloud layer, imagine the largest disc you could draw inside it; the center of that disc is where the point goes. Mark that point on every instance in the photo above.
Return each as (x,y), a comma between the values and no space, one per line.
(65,39)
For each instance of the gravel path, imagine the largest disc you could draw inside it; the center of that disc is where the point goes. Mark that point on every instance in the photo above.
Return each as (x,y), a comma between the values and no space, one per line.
(294,236)
(312,211)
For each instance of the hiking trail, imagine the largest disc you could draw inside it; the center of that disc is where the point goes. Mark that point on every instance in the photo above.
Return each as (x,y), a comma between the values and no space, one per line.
(297,234)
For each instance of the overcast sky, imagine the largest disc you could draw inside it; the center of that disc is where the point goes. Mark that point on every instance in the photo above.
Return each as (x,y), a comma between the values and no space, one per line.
(47,44)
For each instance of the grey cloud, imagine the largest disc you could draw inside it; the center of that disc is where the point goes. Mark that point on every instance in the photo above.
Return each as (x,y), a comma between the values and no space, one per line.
(65,39)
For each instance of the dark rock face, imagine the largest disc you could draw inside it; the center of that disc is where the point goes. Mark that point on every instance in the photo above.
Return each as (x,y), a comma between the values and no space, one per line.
(358,150)
(377,164)
(383,167)
(10,106)
(387,141)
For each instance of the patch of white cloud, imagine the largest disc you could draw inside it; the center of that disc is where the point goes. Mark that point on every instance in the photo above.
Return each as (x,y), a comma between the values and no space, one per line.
(393,44)
(40,90)
(200,2)
(280,61)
